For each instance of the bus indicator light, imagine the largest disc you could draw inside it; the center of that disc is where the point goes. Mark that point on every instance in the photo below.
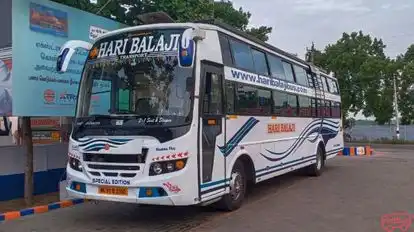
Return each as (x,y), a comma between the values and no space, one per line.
(211,122)
(148,192)
(179,164)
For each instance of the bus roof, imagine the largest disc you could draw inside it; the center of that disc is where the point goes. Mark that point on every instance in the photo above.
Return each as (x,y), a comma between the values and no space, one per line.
(214,24)
(245,35)
(252,38)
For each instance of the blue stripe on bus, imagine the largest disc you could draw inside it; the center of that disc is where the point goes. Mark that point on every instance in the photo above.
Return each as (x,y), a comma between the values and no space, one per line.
(268,170)
(290,162)
(240,134)
(214,183)
(313,127)
(265,171)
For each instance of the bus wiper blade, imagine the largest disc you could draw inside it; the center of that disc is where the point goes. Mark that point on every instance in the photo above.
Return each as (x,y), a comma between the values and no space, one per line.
(124,112)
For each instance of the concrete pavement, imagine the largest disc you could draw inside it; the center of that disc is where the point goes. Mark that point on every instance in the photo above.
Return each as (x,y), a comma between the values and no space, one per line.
(351,195)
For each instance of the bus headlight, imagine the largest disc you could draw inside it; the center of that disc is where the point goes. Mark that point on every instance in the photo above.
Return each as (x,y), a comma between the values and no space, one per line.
(163,167)
(157,168)
(75,164)
(170,167)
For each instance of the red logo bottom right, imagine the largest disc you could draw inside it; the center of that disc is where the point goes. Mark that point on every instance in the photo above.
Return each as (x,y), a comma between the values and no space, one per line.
(397,221)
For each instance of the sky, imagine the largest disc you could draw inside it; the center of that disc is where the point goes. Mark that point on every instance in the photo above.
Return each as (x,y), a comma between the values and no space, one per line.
(298,23)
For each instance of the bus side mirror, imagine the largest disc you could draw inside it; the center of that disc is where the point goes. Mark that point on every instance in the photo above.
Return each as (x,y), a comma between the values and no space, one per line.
(66,52)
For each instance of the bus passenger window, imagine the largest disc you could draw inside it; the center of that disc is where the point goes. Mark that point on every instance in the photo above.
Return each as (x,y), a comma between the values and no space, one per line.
(301,75)
(333,86)
(321,108)
(292,105)
(324,84)
(336,109)
(242,55)
(280,102)
(225,49)
(328,113)
(265,102)
(305,109)
(276,67)
(313,105)
(260,63)
(288,72)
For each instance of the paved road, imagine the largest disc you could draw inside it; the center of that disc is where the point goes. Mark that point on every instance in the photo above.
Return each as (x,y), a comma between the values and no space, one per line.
(351,195)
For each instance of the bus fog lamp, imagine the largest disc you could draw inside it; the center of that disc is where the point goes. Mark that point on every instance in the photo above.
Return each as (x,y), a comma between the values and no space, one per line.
(148,192)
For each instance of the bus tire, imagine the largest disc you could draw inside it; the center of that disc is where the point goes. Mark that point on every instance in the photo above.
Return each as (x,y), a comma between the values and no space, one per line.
(233,200)
(316,169)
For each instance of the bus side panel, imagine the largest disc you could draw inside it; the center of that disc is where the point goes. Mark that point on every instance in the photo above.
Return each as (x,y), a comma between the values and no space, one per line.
(272,144)
(295,141)
(333,132)
(276,146)
(335,143)
(244,136)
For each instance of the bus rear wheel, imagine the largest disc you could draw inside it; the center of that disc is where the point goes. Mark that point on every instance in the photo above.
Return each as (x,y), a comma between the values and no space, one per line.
(316,169)
(234,199)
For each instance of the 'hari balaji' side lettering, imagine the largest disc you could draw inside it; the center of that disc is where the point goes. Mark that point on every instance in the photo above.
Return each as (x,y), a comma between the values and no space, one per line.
(281,127)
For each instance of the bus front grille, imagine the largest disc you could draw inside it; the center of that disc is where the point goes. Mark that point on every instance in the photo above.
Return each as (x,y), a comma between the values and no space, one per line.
(114,165)
(114,158)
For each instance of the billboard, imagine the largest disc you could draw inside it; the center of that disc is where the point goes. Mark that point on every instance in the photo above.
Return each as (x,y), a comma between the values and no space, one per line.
(5,23)
(5,57)
(5,82)
(40,28)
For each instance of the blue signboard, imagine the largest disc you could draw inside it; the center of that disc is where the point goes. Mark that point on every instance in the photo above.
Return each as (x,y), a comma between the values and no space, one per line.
(40,27)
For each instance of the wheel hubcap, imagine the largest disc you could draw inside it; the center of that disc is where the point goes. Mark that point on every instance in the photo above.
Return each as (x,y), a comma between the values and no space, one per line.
(236,185)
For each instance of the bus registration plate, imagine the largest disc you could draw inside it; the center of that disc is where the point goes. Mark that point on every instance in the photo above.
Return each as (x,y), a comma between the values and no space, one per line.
(116,191)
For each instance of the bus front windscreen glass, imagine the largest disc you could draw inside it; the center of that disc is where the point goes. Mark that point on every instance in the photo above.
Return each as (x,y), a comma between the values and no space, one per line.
(144,78)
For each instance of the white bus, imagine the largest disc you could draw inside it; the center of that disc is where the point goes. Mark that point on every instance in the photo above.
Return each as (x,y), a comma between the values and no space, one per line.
(193,114)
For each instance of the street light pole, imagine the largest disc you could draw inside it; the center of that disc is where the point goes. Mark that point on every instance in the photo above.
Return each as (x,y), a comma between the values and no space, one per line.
(397,120)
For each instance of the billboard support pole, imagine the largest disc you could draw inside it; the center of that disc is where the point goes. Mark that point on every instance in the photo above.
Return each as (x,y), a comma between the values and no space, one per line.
(28,171)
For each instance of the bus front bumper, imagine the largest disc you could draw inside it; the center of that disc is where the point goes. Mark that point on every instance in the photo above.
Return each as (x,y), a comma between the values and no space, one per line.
(126,199)
(165,192)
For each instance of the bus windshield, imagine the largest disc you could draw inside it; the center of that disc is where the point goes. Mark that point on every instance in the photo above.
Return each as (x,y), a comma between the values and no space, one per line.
(150,88)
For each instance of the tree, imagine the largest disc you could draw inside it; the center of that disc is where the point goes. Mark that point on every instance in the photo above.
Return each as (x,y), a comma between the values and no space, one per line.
(406,97)
(260,32)
(377,84)
(405,80)
(362,69)
(179,10)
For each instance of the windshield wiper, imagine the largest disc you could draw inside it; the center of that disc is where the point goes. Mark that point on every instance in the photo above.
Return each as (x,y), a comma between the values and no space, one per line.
(122,112)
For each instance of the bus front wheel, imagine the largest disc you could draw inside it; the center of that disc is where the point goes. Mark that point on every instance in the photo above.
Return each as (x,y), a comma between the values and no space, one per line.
(234,199)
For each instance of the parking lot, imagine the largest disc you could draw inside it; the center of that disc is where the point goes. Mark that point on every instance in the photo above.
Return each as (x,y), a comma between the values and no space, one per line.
(351,195)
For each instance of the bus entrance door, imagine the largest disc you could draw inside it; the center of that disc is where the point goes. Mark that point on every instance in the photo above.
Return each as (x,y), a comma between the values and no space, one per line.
(212,126)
